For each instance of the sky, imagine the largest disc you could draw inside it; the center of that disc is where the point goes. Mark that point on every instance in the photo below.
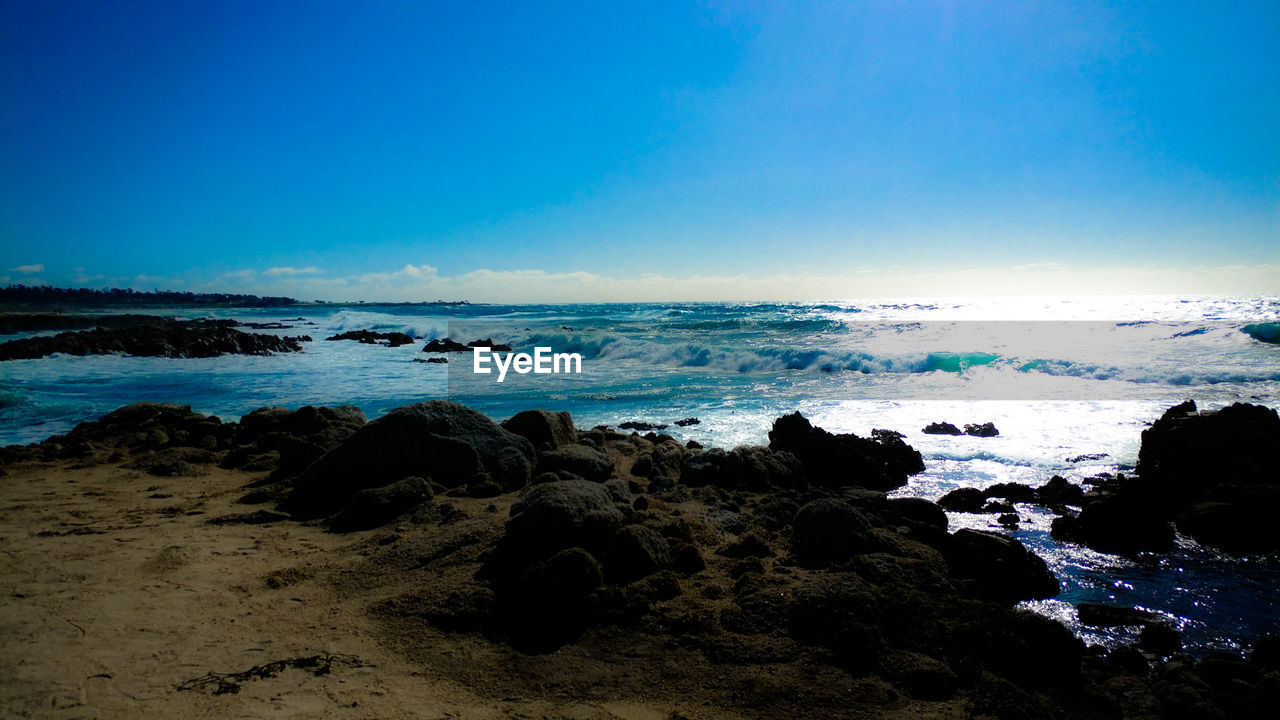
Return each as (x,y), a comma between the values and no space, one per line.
(546,151)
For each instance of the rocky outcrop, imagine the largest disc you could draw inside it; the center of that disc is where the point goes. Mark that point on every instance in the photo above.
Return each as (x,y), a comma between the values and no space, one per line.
(287,441)
(1211,474)
(369,337)
(941,428)
(439,440)
(445,345)
(545,429)
(155,337)
(881,462)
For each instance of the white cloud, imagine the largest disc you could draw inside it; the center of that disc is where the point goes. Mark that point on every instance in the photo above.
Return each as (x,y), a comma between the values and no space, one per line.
(424,282)
(28,269)
(287,271)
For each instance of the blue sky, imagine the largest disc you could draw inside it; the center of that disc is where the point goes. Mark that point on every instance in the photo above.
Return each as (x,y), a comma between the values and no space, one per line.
(549,151)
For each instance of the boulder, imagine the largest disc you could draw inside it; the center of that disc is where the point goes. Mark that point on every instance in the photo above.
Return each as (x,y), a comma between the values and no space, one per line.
(369,337)
(1059,491)
(969,500)
(441,440)
(753,468)
(637,551)
(583,461)
(545,429)
(563,514)
(829,531)
(999,566)
(984,430)
(373,507)
(1122,522)
(552,602)
(881,462)
(941,428)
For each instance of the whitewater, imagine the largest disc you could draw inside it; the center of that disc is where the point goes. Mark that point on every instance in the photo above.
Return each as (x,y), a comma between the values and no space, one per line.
(1069,382)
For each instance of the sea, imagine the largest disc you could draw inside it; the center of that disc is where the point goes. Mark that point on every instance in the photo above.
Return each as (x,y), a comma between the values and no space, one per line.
(1070,382)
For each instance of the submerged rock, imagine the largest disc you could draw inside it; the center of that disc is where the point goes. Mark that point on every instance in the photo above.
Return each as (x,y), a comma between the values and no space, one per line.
(369,337)
(941,428)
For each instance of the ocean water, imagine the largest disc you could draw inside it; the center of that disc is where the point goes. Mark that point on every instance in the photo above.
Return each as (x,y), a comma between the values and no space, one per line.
(1060,378)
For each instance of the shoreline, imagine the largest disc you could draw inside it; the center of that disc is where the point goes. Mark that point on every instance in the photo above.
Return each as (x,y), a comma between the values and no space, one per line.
(417,590)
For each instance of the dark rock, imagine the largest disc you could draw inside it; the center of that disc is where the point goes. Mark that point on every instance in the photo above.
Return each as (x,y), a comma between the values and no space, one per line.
(920,675)
(441,440)
(1214,472)
(968,500)
(693,445)
(545,429)
(686,422)
(994,507)
(553,601)
(882,462)
(941,428)
(297,438)
(1001,568)
(489,343)
(1117,523)
(1129,659)
(580,460)
(686,558)
(139,428)
(749,545)
(1013,492)
(444,345)
(374,507)
(1087,457)
(754,468)
(828,530)
(1095,615)
(1160,639)
(636,551)
(920,511)
(1008,519)
(563,514)
(154,337)
(984,430)
(1059,491)
(640,425)
(368,337)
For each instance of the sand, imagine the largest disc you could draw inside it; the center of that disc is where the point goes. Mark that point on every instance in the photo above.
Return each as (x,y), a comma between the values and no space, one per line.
(120,597)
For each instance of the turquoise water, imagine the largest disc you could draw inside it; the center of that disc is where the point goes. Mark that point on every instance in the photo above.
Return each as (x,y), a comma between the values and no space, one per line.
(1060,377)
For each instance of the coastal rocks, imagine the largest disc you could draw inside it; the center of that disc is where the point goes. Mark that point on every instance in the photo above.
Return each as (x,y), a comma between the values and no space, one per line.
(561,514)
(1210,473)
(580,460)
(369,337)
(445,345)
(686,422)
(637,551)
(755,468)
(1000,567)
(968,500)
(373,507)
(154,337)
(983,430)
(641,426)
(140,427)
(945,428)
(440,440)
(829,531)
(1121,522)
(881,462)
(287,441)
(545,429)
(1095,615)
